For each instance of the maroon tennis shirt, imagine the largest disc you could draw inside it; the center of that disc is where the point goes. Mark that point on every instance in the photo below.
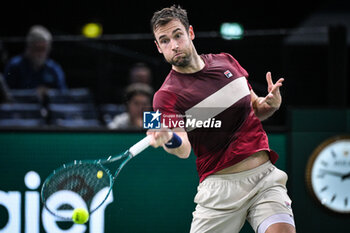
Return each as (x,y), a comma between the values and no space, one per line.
(214,106)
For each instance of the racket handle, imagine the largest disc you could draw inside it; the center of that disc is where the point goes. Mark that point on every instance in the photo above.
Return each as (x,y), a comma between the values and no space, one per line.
(140,146)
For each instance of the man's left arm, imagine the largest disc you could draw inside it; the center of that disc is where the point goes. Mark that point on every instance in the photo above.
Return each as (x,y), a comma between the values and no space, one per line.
(264,107)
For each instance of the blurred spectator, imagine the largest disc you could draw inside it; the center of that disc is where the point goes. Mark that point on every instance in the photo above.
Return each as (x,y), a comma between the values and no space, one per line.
(34,69)
(140,73)
(5,96)
(138,100)
(3,56)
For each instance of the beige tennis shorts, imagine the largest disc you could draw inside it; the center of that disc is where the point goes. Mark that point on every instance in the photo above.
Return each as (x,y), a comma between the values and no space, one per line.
(224,202)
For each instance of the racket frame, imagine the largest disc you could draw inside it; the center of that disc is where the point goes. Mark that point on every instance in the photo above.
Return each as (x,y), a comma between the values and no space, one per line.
(127,156)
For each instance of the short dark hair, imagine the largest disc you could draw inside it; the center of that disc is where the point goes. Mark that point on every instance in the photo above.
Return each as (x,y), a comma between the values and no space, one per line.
(165,15)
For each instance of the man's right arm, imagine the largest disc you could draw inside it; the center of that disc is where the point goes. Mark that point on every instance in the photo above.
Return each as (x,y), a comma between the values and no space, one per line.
(164,135)
(165,102)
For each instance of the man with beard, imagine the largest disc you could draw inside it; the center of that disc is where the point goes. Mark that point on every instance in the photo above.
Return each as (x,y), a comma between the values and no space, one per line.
(238,180)
(33,69)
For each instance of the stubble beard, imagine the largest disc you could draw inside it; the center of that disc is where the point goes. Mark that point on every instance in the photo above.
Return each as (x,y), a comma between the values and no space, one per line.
(182,61)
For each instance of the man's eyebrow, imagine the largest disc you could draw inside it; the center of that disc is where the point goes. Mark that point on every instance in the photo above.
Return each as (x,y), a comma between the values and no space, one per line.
(174,31)
(177,29)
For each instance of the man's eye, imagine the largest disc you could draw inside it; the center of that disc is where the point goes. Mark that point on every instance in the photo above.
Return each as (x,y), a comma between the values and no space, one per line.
(164,41)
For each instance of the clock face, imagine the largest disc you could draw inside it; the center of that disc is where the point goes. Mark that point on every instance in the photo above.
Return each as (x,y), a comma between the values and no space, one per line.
(330,175)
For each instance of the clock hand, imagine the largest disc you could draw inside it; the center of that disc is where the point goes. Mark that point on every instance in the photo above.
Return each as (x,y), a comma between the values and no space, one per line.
(345,176)
(333,173)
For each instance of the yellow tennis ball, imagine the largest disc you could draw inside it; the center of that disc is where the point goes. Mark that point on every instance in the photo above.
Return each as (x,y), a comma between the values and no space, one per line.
(99,174)
(80,215)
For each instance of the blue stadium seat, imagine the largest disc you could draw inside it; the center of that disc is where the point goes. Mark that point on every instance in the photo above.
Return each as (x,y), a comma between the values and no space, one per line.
(20,111)
(72,111)
(21,122)
(24,95)
(77,95)
(77,123)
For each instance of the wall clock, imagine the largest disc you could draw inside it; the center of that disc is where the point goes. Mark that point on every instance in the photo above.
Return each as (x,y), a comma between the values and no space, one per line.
(328,174)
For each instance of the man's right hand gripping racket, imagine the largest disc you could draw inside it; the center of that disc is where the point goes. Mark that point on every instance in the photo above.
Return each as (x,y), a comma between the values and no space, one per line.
(82,181)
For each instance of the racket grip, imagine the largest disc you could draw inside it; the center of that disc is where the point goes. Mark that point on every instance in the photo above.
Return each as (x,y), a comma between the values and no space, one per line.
(140,146)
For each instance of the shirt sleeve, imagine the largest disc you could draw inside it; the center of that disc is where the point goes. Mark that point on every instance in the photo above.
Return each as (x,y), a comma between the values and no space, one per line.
(165,102)
(61,78)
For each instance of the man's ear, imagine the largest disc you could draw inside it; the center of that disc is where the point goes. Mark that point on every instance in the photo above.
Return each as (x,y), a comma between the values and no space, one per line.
(191,32)
(159,50)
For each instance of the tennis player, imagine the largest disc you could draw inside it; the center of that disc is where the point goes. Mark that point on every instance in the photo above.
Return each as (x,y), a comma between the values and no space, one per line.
(238,180)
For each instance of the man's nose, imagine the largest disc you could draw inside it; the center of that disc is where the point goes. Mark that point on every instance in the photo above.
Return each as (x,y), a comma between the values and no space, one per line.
(174,45)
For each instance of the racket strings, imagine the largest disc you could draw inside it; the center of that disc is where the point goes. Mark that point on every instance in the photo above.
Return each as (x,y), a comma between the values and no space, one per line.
(85,179)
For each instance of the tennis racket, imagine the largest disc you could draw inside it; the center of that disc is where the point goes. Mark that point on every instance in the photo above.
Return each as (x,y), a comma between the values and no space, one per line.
(81,181)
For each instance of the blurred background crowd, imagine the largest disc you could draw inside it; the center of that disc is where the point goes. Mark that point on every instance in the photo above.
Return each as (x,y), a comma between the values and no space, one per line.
(34,92)
(55,73)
